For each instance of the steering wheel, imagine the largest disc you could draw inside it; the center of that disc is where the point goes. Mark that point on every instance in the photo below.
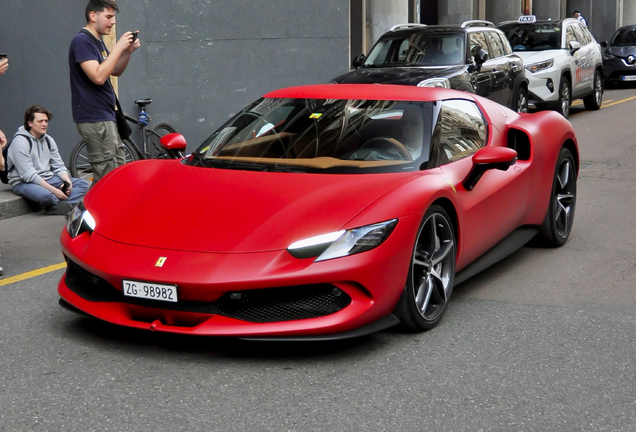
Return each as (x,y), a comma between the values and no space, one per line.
(385,144)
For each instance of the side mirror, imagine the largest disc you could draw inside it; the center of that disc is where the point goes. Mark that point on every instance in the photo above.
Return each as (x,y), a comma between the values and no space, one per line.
(481,56)
(173,141)
(574,46)
(358,61)
(603,44)
(486,159)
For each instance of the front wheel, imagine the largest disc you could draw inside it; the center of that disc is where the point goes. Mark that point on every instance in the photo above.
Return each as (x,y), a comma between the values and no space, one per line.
(559,218)
(521,101)
(593,102)
(432,273)
(81,168)
(565,98)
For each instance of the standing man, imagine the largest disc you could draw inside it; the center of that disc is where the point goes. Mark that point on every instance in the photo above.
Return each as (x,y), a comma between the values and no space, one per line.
(579,17)
(93,96)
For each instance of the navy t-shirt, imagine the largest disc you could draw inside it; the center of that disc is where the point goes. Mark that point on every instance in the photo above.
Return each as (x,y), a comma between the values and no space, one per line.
(91,102)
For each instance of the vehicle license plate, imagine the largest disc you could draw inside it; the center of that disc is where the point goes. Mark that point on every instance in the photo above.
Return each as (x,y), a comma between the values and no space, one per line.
(628,77)
(149,290)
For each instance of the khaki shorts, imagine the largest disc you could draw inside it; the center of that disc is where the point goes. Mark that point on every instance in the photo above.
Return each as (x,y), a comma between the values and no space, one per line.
(105,149)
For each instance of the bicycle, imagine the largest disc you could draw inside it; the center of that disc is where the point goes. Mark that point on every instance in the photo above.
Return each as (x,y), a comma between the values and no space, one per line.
(152,148)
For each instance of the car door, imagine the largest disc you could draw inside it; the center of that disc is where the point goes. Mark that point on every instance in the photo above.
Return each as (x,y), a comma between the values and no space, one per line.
(501,68)
(481,77)
(497,204)
(577,61)
(588,56)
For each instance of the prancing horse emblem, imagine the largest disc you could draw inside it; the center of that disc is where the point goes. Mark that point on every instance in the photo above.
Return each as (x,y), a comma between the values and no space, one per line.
(160,261)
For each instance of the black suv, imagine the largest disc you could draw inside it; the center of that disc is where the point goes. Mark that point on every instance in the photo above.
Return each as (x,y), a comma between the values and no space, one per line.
(474,56)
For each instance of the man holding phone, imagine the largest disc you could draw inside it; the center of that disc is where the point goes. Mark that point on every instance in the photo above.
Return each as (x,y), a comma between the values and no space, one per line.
(35,168)
(93,97)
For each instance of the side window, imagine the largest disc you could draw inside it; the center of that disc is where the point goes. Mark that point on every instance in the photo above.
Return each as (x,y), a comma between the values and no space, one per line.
(580,35)
(505,44)
(460,131)
(496,48)
(477,41)
(569,36)
(588,35)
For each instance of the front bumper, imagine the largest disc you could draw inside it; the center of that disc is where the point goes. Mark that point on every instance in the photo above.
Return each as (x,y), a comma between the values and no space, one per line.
(617,69)
(278,296)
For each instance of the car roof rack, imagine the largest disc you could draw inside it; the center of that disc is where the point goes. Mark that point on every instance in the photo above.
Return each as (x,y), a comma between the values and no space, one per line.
(477,23)
(407,26)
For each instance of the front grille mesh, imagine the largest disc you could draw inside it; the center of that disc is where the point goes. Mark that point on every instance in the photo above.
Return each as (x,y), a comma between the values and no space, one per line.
(259,306)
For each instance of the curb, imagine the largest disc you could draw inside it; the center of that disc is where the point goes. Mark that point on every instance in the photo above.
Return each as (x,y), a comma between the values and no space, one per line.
(12,205)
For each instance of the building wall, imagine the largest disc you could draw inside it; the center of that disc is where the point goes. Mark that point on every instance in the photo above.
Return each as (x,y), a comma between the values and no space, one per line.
(200,60)
(382,15)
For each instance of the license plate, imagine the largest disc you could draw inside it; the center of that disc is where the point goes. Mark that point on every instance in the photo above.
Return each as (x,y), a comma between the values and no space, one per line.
(150,290)
(628,77)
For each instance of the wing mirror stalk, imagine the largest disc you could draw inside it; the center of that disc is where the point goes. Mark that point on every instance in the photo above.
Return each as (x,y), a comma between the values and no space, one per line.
(486,159)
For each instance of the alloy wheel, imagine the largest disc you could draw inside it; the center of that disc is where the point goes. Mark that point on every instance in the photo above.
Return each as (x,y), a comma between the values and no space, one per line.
(565,198)
(433,267)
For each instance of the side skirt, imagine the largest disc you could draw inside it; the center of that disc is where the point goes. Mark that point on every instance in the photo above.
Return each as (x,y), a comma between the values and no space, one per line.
(510,244)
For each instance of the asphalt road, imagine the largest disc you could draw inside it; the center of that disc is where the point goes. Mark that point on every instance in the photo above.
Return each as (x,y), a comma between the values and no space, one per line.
(544,341)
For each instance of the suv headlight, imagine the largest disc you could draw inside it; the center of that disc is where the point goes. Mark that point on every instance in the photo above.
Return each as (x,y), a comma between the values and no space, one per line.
(343,243)
(80,221)
(538,67)
(435,82)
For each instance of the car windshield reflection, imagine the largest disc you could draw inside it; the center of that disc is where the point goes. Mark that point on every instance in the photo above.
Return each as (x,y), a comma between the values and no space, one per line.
(323,135)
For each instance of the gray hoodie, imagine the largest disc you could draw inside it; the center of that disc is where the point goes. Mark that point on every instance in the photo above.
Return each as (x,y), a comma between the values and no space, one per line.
(35,165)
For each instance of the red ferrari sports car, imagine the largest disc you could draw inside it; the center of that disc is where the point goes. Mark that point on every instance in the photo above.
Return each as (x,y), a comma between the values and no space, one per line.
(321,212)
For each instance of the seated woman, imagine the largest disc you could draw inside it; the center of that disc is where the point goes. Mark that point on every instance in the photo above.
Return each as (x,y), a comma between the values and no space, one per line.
(36,170)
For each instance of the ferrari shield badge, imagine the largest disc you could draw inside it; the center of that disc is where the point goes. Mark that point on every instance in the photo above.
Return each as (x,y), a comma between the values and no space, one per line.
(160,261)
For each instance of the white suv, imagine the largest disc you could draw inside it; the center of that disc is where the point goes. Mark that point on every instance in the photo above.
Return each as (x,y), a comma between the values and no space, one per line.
(563,59)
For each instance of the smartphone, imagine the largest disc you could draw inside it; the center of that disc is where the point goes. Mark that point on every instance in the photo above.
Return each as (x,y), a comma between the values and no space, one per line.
(65,187)
(3,55)
(135,34)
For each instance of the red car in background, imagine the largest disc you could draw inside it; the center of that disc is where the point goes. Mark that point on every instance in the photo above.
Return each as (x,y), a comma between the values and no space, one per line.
(321,212)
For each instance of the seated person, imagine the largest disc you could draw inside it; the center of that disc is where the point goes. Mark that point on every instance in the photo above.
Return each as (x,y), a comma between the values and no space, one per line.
(36,170)
(412,130)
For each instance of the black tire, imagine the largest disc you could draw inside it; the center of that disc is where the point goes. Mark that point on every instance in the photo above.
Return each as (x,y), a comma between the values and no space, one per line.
(431,275)
(154,146)
(81,168)
(559,218)
(594,101)
(565,97)
(521,101)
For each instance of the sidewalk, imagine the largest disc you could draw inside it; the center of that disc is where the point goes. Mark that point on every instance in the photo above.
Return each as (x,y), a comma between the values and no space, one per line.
(10,204)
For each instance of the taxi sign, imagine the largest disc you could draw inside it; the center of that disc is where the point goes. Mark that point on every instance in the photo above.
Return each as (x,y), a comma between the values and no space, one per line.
(526,19)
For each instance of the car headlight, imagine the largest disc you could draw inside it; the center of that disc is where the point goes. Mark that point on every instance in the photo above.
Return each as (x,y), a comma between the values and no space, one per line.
(80,221)
(608,56)
(343,243)
(537,67)
(435,82)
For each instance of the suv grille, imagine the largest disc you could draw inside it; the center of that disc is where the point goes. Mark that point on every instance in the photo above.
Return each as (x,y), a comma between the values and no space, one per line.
(259,306)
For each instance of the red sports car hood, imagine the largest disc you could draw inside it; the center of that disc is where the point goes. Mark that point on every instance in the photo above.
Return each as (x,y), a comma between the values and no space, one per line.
(166,204)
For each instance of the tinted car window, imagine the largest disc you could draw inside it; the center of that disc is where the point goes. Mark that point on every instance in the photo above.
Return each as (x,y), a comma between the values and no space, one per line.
(570,36)
(460,131)
(318,135)
(533,37)
(420,48)
(580,36)
(496,48)
(505,44)
(478,41)
(625,37)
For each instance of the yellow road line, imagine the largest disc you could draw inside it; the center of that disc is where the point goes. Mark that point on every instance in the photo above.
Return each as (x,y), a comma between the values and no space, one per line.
(605,105)
(34,273)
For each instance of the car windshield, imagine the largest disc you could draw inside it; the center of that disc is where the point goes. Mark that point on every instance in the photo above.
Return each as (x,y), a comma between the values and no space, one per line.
(322,135)
(533,37)
(624,37)
(418,49)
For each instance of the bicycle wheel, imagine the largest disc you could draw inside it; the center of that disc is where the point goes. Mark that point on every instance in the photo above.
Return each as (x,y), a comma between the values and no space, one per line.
(154,146)
(81,168)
